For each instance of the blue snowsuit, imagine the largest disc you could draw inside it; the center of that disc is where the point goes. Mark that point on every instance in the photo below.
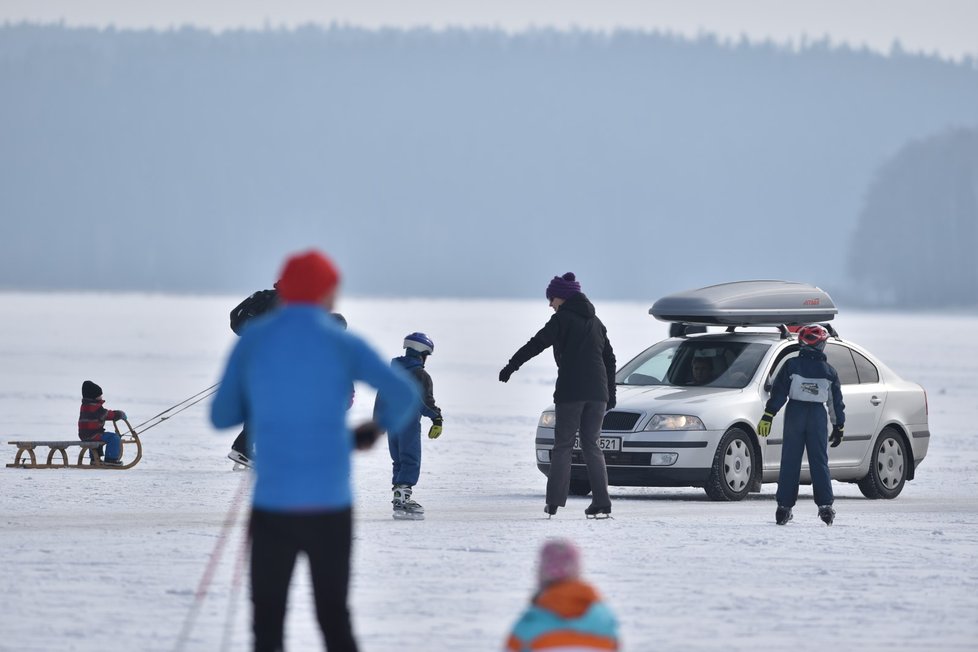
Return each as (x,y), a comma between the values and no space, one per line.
(405,443)
(809,384)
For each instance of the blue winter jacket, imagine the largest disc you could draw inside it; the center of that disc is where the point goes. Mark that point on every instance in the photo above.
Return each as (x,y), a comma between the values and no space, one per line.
(808,378)
(289,378)
(414,365)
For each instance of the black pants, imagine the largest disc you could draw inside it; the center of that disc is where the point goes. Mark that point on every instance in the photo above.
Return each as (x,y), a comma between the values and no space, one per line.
(582,417)
(276,540)
(242,445)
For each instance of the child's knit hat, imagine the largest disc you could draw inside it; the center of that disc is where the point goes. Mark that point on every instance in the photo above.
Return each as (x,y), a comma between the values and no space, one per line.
(559,560)
(90,390)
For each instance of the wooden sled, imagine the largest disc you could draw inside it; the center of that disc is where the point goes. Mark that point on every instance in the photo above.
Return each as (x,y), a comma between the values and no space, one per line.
(88,457)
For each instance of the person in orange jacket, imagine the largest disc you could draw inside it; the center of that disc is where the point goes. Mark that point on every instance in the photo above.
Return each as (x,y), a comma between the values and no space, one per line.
(566,612)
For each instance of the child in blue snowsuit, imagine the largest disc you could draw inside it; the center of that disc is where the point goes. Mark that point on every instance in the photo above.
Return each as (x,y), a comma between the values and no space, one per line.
(405,444)
(808,383)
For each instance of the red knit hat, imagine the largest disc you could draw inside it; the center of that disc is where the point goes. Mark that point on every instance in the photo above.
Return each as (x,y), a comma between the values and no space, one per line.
(307,278)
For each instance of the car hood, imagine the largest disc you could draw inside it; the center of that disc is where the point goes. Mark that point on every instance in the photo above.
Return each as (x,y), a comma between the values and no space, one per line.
(654,397)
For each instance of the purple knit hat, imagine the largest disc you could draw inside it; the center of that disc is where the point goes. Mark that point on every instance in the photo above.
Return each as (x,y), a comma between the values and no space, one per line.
(559,560)
(563,287)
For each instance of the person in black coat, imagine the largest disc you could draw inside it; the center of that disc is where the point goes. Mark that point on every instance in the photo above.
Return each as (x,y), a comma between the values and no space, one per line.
(585,389)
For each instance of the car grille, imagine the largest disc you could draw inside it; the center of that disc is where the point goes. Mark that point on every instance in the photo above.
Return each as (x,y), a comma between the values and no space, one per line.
(620,420)
(612,457)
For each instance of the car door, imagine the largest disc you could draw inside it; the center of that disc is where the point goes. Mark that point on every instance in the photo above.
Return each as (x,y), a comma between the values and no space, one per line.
(773,442)
(864,397)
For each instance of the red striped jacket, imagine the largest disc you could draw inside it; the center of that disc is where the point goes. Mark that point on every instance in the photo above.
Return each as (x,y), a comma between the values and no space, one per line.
(92,418)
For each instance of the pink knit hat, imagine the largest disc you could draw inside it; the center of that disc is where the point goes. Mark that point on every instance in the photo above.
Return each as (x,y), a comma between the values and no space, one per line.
(559,560)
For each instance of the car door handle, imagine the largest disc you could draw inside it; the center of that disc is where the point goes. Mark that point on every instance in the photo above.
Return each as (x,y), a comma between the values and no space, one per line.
(876,400)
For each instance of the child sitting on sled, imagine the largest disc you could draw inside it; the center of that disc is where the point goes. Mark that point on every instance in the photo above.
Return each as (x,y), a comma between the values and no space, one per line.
(91,423)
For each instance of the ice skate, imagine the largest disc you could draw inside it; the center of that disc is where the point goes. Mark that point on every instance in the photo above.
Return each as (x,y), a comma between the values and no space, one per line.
(406,509)
(826,513)
(783,515)
(597,511)
(549,510)
(241,461)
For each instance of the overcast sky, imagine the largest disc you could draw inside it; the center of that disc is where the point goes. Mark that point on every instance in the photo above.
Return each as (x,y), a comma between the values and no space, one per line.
(948,27)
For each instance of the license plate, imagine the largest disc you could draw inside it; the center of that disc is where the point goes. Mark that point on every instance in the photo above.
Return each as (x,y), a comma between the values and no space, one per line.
(604,443)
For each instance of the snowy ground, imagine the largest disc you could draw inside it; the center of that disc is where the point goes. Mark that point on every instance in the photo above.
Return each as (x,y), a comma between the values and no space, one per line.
(129,549)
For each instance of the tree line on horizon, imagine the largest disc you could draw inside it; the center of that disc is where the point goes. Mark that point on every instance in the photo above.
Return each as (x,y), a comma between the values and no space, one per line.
(466,163)
(916,243)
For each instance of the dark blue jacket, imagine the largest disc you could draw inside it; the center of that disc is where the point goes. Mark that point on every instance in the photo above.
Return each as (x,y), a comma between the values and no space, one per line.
(809,378)
(414,365)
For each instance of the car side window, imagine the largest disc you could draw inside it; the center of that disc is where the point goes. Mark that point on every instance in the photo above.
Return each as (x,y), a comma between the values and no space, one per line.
(841,359)
(868,373)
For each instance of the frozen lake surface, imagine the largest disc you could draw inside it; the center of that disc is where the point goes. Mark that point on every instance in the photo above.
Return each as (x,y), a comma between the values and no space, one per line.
(129,549)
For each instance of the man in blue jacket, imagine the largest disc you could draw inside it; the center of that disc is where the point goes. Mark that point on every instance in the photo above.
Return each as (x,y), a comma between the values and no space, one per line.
(809,384)
(288,378)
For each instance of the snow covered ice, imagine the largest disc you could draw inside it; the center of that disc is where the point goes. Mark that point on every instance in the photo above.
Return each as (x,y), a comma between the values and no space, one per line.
(111,560)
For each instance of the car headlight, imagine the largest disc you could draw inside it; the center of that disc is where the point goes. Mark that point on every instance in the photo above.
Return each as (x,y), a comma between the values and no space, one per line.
(675,422)
(548,420)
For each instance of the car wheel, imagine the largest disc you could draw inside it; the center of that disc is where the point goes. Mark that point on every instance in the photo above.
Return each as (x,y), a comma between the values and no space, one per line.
(580,487)
(888,467)
(733,467)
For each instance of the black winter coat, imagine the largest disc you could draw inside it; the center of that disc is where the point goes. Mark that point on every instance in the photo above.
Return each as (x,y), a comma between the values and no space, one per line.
(585,359)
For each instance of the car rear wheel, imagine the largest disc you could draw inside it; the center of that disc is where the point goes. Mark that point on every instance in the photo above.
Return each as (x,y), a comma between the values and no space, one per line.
(580,487)
(888,467)
(733,466)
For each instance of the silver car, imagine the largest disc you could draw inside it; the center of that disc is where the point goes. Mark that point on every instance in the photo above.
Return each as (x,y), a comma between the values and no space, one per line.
(688,406)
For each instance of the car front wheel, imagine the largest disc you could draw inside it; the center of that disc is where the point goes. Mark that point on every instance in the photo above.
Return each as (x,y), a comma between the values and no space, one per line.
(888,468)
(733,465)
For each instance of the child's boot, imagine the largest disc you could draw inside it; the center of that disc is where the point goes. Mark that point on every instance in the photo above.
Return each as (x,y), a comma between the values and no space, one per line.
(404,507)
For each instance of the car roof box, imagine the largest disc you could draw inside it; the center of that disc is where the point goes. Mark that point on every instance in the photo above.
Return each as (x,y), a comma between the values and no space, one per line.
(747,303)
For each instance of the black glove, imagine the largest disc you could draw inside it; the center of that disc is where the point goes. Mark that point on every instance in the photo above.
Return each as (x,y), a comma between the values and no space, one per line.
(612,402)
(366,434)
(120,415)
(506,372)
(836,437)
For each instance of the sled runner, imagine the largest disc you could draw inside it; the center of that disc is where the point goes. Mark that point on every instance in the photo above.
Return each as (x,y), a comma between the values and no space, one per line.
(88,457)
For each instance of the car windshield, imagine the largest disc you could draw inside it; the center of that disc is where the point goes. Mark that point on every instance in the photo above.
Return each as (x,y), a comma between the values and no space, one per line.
(695,362)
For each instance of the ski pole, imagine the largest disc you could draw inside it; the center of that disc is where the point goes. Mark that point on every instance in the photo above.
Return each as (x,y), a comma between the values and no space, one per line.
(215,558)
